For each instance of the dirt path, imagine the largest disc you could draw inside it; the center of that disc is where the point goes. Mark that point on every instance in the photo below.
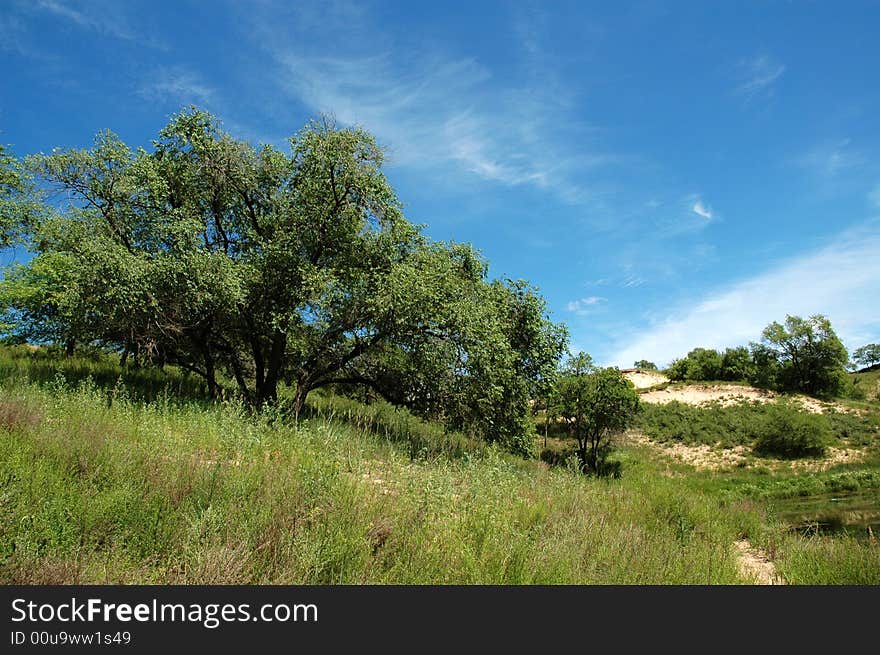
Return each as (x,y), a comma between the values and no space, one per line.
(754,565)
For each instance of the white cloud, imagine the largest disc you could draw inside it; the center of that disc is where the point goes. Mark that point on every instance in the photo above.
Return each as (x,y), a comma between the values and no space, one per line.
(632,281)
(99,19)
(701,209)
(758,75)
(841,281)
(435,109)
(831,158)
(581,305)
(107,18)
(178,86)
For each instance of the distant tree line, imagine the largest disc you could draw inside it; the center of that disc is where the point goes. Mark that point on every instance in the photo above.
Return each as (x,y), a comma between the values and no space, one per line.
(802,355)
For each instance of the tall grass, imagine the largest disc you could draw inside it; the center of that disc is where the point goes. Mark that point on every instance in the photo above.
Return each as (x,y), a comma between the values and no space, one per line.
(159,492)
(420,439)
(104,481)
(46,366)
(822,560)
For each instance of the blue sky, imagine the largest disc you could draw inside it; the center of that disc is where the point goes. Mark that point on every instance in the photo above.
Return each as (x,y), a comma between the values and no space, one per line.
(669,174)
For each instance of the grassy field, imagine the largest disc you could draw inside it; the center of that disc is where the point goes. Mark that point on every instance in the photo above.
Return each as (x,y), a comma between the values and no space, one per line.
(136,478)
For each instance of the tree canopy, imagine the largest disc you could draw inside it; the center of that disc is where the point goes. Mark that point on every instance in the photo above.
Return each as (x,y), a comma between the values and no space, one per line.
(806,355)
(699,364)
(277,268)
(17,207)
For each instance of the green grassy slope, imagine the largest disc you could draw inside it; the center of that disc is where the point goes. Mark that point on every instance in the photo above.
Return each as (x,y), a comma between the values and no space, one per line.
(130,482)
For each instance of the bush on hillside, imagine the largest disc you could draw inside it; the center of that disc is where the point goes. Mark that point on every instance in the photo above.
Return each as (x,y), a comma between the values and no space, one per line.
(791,433)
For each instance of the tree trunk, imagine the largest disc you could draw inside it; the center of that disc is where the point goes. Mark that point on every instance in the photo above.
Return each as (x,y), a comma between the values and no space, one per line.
(299,399)
(585,463)
(267,387)
(242,383)
(211,378)
(210,372)
(69,347)
(267,394)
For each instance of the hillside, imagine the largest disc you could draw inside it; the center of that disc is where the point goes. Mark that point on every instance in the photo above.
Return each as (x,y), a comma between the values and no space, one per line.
(114,478)
(868,381)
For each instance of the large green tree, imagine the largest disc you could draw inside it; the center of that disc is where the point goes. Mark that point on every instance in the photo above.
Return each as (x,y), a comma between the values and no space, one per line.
(275,268)
(806,355)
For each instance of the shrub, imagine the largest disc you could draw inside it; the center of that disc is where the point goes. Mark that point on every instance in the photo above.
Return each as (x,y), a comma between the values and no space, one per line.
(739,424)
(678,369)
(737,364)
(700,364)
(790,433)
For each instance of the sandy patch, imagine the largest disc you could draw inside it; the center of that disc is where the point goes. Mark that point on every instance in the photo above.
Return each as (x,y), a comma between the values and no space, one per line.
(644,379)
(833,457)
(755,565)
(728,394)
(702,394)
(714,458)
(700,456)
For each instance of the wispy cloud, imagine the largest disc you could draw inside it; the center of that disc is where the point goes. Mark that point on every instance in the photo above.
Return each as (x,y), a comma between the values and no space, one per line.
(441,108)
(841,281)
(701,209)
(632,281)
(832,158)
(11,35)
(758,75)
(582,305)
(178,86)
(442,111)
(97,19)
(104,17)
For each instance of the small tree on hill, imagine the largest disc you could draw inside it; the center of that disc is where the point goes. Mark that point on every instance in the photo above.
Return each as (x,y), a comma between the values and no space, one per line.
(645,365)
(594,404)
(678,369)
(867,355)
(810,357)
(737,364)
(700,364)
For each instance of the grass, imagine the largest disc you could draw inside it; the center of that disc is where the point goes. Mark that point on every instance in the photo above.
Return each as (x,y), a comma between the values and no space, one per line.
(108,482)
(829,561)
(420,439)
(868,384)
(176,492)
(46,366)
